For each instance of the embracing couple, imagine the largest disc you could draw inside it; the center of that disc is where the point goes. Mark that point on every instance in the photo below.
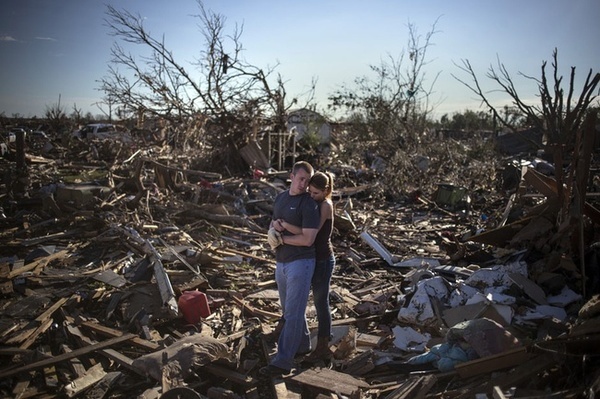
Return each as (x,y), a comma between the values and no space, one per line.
(300,234)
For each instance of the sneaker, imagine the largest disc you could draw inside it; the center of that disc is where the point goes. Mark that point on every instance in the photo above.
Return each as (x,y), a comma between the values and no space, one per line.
(303,353)
(272,371)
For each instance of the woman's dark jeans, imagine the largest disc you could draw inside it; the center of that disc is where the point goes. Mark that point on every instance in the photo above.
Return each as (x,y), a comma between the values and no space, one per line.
(320,285)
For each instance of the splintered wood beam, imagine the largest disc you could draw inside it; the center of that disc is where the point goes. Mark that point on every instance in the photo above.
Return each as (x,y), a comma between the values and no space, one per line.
(40,263)
(38,331)
(109,353)
(415,387)
(111,332)
(91,377)
(254,311)
(231,251)
(66,356)
(330,381)
(75,364)
(48,313)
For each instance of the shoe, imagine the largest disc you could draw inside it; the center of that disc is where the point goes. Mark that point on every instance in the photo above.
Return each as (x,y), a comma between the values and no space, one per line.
(272,371)
(303,353)
(321,352)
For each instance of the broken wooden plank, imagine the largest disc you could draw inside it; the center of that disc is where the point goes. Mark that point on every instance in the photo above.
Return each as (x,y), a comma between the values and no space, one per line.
(50,376)
(99,390)
(497,393)
(254,311)
(206,175)
(40,263)
(492,363)
(36,333)
(361,364)
(526,370)
(50,311)
(501,235)
(92,376)
(108,265)
(13,351)
(233,220)
(111,332)
(415,387)
(111,354)
(231,251)
(330,381)
(547,186)
(66,356)
(369,340)
(22,385)
(75,364)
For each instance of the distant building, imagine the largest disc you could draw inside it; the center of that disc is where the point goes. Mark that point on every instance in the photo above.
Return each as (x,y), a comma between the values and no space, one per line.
(305,120)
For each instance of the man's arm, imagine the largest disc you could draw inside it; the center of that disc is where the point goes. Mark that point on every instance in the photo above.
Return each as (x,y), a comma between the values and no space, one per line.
(281,225)
(326,210)
(305,239)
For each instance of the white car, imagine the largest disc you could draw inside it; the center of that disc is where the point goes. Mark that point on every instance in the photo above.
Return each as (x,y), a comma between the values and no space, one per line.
(38,135)
(100,131)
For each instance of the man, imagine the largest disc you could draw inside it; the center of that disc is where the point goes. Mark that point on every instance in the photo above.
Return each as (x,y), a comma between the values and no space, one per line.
(295,257)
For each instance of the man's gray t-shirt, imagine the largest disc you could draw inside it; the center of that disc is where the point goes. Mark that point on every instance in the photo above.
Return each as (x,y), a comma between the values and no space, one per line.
(298,210)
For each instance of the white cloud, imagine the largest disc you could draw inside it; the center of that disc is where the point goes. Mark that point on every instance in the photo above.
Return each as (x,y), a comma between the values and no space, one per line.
(7,39)
(46,38)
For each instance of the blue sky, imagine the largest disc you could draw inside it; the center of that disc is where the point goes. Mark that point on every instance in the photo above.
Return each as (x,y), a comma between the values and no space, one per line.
(59,49)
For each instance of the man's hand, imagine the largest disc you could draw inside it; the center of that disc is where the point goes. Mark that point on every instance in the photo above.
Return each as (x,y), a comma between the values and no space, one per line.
(274,238)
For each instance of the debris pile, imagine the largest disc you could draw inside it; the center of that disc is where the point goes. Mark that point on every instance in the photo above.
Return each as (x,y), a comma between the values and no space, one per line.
(439,297)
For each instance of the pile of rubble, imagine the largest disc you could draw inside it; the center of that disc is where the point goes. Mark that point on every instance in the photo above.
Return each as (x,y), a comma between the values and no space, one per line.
(431,297)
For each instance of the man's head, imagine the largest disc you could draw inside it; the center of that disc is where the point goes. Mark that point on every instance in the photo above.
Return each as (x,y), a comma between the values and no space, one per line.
(300,176)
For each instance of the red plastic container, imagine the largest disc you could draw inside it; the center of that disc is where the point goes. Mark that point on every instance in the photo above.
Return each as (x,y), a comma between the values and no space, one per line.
(193,306)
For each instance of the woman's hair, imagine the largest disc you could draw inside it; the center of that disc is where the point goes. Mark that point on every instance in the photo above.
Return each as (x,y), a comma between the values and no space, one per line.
(323,181)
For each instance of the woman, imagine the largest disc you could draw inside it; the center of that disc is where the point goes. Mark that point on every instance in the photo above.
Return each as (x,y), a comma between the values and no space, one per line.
(320,188)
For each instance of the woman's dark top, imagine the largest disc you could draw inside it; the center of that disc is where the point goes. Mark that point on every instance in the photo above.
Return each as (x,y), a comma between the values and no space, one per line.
(323,241)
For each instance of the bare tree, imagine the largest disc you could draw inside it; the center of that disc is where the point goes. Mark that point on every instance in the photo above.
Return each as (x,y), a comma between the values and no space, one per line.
(395,99)
(221,93)
(568,125)
(76,114)
(56,116)
(388,109)
(557,116)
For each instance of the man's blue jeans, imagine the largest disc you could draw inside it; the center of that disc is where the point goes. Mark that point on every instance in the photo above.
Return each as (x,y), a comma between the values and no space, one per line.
(321,283)
(293,282)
